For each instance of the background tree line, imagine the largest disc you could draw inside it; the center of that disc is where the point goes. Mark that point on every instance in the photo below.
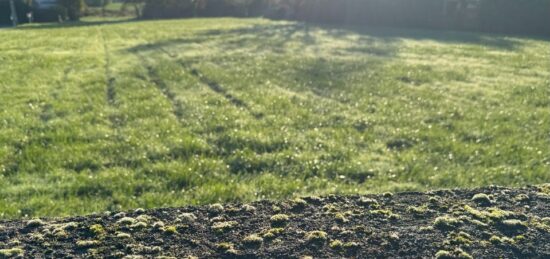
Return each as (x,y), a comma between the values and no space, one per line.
(501,16)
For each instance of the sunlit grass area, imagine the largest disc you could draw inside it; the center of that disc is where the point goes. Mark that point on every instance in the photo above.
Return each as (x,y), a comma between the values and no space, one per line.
(117,115)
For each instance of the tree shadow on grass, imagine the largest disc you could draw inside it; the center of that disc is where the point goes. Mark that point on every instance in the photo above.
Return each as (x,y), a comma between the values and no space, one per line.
(65,25)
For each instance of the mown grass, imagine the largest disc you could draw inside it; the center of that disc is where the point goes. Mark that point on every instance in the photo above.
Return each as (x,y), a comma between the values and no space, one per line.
(112,115)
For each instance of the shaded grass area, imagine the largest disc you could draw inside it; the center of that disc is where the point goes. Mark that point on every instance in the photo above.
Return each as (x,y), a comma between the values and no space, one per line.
(110,115)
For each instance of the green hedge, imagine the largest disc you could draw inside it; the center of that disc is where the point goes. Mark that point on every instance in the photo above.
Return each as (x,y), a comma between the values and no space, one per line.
(503,16)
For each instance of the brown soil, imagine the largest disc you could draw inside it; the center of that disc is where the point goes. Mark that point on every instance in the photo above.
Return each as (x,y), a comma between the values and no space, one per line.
(507,223)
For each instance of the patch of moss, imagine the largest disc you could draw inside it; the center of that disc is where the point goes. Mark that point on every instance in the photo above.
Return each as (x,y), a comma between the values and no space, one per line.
(139,211)
(126,221)
(461,238)
(340,217)
(330,208)
(351,245)
(122,235)
(139,225)
(158,225)
(298,204)
(253,240)
(276,209)
(386,213)
(215,208)
(446,222)
(387,194)
(97,230)
(482,199)
(227,248)
(521,197)
(316,236)
(456,254)
(249,208)
(188,217)
(272,233)
(336,244)
(34,223)
(143,218)
(368,202)
(222,227)
(513,224)
(84,244)
(417,210)
(170,230)
(492,214)
(11,252)
(279,220)
(541,224)
(60,233)
(501,240)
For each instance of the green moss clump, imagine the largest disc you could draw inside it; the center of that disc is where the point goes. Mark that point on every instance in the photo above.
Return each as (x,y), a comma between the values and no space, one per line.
(158,225)
(298,204)
(316,236)
(34,223)
(340,217)
(170,230)
(216,208)
(501,240)
(351,245)
(336,244)
(461,238)
(272,233)
(139,211)
(386,213)
(492,214)
(11,252)
(143,218)
(87,243)
(227,248)
(139,225)
(456,254)
(514,224)
(188,217)
(482,199)
(97,230)
(279,220)
(249,208)
(330,208)
(122,235)
(417,210)
(446,222)
(521,197)
(364,201)
(222,227)
(253,240)
(126,221)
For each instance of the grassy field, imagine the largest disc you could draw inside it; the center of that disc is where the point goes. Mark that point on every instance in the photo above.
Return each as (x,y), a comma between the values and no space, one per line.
(111,115)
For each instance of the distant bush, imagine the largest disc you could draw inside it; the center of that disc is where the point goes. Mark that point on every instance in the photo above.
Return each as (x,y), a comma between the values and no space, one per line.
(505,16)
(74,8)
(52,14)
(97,3)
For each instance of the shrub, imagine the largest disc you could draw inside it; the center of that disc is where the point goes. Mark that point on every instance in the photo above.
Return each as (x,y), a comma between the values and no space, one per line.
(74,8)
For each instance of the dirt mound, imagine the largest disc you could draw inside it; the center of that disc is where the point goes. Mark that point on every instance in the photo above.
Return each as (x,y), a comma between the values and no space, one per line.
(489,222)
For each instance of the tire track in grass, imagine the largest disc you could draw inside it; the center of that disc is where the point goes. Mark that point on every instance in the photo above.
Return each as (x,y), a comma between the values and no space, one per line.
(154,77)
(213,85)
(109,79)
(219,89)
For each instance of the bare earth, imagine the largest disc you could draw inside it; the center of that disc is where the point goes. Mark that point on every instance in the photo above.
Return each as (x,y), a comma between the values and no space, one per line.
(483,223)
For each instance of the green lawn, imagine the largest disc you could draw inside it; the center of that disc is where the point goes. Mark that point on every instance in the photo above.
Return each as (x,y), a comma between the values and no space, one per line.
(117,115)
